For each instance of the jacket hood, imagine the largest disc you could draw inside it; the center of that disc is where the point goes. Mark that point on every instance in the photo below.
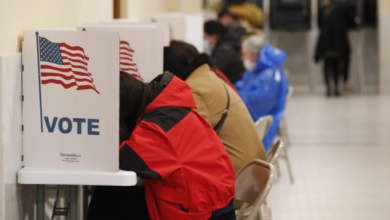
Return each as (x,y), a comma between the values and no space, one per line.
(168,90)
(270,57)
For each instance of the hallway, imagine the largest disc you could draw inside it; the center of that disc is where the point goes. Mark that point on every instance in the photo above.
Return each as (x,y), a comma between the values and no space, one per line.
(340,157)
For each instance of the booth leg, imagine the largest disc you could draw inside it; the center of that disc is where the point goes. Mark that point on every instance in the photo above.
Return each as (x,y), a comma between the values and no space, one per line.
(40,202)
(73,203)
(85,201)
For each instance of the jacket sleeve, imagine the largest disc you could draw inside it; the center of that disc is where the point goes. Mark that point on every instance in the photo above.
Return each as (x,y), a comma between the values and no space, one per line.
(262,95)
(223,58)
(148,152)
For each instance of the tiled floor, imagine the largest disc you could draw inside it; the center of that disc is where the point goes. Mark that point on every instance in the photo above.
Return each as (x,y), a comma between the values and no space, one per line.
(340,157)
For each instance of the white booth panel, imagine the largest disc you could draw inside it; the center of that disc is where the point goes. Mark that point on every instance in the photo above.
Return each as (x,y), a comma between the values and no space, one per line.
(142,49)
(71,100)
(16,201)
(209,15)
(161,25)
(186,27)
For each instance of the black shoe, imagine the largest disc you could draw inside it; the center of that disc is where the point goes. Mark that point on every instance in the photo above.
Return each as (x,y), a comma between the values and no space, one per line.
(328,93)
(337,94)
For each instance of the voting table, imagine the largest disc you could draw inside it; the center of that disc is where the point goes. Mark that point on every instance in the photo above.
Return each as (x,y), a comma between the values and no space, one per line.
(75,178)
(71,107)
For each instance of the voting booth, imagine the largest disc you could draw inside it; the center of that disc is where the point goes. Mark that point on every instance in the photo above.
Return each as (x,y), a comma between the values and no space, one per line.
(70,119)
(69,107)
(186,27)
(141,48)
(163,26)
(71,101)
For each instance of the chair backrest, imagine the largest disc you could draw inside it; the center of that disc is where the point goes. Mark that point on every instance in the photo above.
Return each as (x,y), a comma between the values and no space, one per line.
(263,124)
(253,184)
(275,151)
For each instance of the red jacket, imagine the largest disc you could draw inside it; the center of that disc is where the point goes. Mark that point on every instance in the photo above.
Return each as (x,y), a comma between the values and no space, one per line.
(187,169)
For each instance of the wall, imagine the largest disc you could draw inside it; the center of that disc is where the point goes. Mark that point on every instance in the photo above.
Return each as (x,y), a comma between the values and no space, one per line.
(17,15)
(384,36)
(144,9)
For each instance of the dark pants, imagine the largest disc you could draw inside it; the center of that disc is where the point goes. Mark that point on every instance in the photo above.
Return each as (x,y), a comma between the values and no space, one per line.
(346,69)
(333,68)
(126,203)
(228,216)
(118,203)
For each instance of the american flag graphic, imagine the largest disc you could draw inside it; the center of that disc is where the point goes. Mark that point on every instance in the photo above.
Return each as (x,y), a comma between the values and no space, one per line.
(126,60)
(65,65)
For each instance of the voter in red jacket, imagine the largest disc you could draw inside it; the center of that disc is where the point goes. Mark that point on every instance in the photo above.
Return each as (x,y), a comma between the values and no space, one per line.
(188,173)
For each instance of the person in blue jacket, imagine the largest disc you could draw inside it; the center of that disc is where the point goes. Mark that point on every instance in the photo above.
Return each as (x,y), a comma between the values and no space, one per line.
(264,85)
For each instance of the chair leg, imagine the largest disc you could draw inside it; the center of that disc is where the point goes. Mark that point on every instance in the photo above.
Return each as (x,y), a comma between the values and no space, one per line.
(278,173)
(283,132)
(266,212)
(242,210)
(259,215)
(288,165)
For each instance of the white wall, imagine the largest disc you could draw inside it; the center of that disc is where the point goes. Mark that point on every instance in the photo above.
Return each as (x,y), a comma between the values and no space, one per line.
(144,9)
(17,15)
(384,45)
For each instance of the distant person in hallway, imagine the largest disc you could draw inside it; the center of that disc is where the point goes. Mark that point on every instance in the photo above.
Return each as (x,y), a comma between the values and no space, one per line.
(264,86)
(333,44)
(224,48)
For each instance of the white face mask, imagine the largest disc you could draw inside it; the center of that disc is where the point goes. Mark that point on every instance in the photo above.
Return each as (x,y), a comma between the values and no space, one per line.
(207,47)
(249,65)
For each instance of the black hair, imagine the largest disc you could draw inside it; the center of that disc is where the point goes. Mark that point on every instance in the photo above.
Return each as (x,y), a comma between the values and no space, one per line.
(200,60)
(214,27)
(189,50)
(134,98)
(176,62)
(226,11)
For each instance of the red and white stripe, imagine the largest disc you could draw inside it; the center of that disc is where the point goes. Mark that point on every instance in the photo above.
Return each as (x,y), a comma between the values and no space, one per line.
(73,72)
(126,60)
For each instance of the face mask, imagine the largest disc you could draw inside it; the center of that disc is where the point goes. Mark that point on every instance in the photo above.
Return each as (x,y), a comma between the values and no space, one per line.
(249,65)
(207,46)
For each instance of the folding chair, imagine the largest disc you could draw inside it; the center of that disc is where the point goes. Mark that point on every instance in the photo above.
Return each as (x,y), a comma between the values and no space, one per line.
(263,124)
(253,184)
(275,152)
(283,134)
(282,131)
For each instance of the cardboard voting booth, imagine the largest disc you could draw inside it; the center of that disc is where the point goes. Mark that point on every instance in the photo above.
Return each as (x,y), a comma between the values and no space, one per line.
(71,100)
(187,27)
(141,49)
(161,25)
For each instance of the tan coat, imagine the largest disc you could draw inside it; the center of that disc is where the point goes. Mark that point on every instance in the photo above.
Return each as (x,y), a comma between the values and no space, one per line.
(238,133)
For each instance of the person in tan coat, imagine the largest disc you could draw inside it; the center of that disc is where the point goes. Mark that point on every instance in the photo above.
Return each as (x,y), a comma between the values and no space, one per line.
(238,133)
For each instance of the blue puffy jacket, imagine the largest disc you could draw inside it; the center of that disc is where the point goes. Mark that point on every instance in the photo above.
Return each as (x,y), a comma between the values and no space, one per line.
(264,89)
